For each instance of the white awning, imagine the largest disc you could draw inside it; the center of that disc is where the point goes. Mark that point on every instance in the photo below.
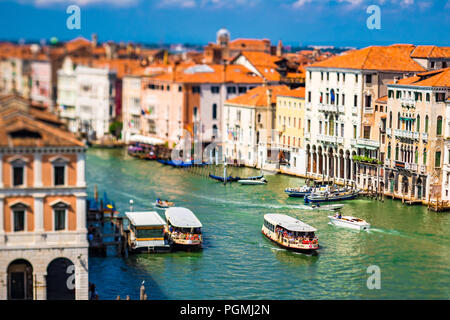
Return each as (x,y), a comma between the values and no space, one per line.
(145,219)
(288,222)
(145,139)
(182,218)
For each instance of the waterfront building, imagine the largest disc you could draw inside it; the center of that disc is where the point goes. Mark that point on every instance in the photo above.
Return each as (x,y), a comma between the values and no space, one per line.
(248,131)
(225,49)
(340,120)
(191,97)
(289,122)
(416,166)
(131,105)
(43,238)
(87,98)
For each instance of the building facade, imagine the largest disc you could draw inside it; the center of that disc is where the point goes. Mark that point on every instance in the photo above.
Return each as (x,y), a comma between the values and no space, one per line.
(417,156)
(290,125)
(43,237)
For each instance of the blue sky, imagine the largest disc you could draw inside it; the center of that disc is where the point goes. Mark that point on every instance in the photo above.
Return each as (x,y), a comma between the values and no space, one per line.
(296,22)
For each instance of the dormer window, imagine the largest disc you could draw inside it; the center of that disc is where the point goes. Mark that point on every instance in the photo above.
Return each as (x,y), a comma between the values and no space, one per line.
(19,216)
(59,215)
(18,166)
(59,171)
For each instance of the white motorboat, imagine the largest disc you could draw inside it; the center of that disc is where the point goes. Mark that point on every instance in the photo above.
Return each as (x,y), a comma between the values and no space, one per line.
(349,222)
(329,207)
(253,182)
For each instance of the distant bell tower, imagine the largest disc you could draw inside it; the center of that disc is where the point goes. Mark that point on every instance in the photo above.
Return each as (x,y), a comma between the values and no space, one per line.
(279,49)
(223,37)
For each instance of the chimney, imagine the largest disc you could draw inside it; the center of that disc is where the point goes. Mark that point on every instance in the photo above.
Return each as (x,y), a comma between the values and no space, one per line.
(269,96)
(94,40)
(224,72)
(279,49)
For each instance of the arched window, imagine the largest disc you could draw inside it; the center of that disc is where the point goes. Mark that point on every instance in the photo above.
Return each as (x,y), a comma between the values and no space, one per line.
(396,152)
(418,123)
(214,128)
(389,151)
(439,126)
(398,120)
(424,156)
(416,155)
(426,124)
(390,119)
(214,111)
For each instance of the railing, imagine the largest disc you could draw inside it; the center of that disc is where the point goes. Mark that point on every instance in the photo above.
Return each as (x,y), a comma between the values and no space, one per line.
(425,136)
(388,131)
(366,142)
(406,134)
(411,166)
(307,136)
(330,139)
(330,108)
(368,110)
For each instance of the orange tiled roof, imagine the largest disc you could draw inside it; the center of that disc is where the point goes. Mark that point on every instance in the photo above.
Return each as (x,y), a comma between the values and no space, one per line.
(294,93)
(388,58)
(121,66)
(257,97)
(77,43)
(265,64)
(220,74)
(431,52)
(16,119)
(435,78)
(250,44)
(382,99)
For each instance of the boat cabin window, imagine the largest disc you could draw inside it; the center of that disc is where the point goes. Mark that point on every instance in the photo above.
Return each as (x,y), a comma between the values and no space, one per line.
(269,226)
(149,233)
(186,230)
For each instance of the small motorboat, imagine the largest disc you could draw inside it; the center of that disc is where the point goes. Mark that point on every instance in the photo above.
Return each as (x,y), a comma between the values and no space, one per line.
(349,222)
(331,196)
(222,179)
(163,204)
(328,207)
(253,182)
(299,192)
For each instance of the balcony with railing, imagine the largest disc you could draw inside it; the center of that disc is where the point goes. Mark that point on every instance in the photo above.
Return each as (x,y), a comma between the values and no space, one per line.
(325,107)
(368,110)
(365,143)
(406,134)
(425,137)
(330,139)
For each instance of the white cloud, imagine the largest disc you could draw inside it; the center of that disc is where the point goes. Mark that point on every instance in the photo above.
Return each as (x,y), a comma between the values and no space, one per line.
(300,3)
(178,3)
(44,3)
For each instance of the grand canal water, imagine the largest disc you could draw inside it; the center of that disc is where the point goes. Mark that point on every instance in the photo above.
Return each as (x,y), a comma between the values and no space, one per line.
(410,245)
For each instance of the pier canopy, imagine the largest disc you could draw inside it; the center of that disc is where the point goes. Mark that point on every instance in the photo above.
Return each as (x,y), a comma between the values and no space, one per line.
(147,140)
(145,219)
(288,223)
(182,218)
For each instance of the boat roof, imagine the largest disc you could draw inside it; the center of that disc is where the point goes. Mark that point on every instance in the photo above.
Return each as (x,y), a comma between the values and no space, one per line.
(182,218)
(288,222)
(145,219)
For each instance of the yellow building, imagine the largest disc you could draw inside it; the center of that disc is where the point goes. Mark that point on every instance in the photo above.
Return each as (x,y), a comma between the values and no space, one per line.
(290,116)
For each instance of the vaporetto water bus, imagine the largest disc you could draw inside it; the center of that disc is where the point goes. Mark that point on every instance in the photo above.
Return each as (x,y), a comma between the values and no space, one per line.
(147,232)
(184,228)
(290,233)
